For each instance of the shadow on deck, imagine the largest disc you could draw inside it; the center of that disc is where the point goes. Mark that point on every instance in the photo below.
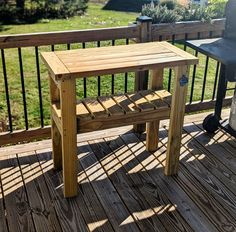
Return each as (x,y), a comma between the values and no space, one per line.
(122,186)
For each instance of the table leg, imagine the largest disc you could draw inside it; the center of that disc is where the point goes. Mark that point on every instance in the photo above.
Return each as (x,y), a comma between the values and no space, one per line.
(176,119)
(141,83)
(152,139)
(69,147)
(55,133)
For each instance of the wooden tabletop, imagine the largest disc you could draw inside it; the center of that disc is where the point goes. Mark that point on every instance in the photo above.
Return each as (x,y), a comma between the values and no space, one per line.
(110,60)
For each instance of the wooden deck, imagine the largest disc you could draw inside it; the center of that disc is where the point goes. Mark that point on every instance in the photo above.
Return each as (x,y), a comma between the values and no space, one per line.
(122,187)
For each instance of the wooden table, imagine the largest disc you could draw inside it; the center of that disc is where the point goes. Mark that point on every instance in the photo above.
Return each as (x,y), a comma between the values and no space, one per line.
(65,66)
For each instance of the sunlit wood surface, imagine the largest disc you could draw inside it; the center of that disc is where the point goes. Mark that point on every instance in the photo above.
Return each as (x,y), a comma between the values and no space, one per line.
(122,187)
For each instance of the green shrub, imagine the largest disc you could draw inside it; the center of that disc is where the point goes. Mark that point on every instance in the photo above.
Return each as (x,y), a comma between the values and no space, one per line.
(8,13)
(197,13)
(169,11)
(160,14)
(170,4)
(41,9)
(217,7)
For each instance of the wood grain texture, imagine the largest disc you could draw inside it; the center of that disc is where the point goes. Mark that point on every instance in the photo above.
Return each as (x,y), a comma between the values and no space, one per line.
(115,111)
(194,176)
(118,120)
(200,198)
(54,65)
(83,64)
(126,104)
(56,127)
(68,121)
(176,121)
(67,210)
(3,223)
(140,102)
(141,76)
(220,151)
(40,201)
(23,136)
(132,31)
(18,212)
(116,210)
(152,195)
(180,29)
(152,128)
(165,96)
(90,206)
(129,194)
(40,133)
(111,106)
(118,55)
(152,164)
(95,108)
(157,98)
(65,37)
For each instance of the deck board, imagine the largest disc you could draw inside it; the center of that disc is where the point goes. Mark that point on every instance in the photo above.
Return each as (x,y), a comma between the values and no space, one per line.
(69,214)
(18,212)
(122,186)
(110,199)
(128,191)
(157,200)
(3,223)
(199,181)
(43,212)
(153,165)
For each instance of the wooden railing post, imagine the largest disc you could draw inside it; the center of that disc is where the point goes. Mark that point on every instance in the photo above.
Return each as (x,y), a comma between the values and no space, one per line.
(141,77)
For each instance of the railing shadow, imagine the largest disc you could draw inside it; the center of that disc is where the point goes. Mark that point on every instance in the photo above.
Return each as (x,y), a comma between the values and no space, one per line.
(122,167)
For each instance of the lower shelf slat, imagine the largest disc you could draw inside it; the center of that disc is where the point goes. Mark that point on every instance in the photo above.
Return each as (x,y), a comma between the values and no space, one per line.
(97,115)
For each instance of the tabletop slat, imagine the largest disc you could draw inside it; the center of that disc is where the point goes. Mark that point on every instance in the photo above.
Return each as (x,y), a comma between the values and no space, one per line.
(115,59)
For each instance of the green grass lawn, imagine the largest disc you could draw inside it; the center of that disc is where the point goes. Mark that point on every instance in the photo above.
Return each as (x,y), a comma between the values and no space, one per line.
(94,18)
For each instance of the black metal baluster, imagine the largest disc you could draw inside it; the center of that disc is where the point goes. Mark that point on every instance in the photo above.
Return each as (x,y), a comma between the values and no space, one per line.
(193,80)
(194,75)
(216,78)
(84,79)
(198,35)
(68,46)
(99,78)
(170,70)
(6,90)
(185,38)
(126,74)
(39,86)
(204,79)
(112,76)
(210,34)
(23,88)
(52,48)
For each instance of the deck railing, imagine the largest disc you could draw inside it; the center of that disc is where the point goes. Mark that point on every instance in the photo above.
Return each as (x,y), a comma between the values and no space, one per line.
(25,118)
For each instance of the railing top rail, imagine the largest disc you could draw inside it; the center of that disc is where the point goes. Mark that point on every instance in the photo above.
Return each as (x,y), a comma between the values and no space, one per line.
(66,37)
(90,35)
(187,27)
